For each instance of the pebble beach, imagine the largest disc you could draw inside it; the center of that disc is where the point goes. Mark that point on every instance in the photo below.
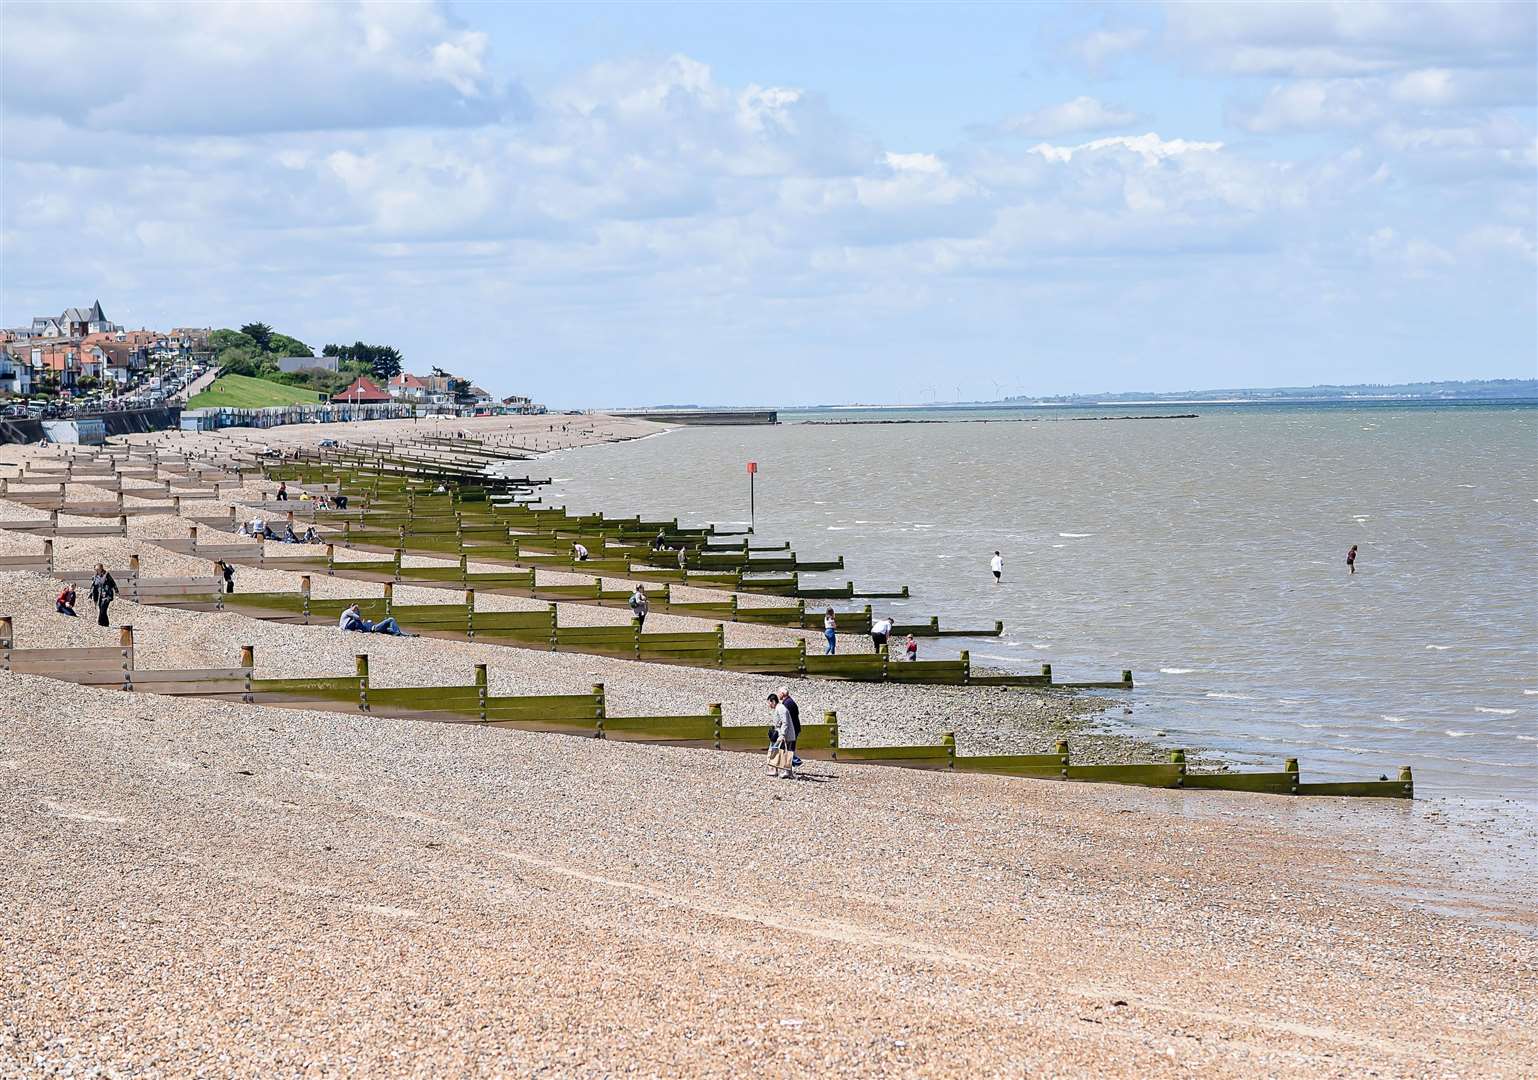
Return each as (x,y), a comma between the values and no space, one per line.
(209,888)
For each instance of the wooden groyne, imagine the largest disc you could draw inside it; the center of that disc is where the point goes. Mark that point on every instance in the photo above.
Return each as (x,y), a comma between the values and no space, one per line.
(588,715)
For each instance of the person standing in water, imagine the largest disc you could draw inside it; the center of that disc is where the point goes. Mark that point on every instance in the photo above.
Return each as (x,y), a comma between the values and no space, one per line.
(1351,560)
(996,564)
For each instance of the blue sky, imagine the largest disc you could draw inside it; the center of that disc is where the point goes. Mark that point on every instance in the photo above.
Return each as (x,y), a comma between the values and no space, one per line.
(785,204)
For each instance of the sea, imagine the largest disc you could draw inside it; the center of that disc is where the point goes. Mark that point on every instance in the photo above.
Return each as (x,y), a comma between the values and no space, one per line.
(1203,546)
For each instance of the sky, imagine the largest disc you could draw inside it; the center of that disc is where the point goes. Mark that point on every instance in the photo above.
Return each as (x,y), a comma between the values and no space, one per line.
(779,204)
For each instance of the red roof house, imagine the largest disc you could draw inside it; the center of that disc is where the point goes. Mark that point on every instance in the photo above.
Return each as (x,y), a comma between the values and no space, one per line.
(363,391)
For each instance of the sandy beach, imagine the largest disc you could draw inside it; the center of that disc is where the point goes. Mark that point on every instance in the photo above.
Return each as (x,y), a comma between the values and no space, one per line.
(211,888)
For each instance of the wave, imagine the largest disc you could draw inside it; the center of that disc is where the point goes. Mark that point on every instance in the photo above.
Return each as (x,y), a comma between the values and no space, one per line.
(1396,719)
(1439,648)
(1075,536)
(1495,712)
(1457,734)
(1230,697)
(1530,693)
(1176,670)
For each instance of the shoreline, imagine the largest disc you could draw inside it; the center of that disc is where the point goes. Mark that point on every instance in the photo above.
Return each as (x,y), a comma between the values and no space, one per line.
(324,873)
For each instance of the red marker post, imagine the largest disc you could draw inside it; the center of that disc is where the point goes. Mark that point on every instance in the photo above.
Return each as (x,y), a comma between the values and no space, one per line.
(752,473)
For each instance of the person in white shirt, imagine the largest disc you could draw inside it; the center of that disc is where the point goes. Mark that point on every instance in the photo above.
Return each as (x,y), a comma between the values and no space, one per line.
(997,565)
(879,630)
(580,552)
(830,633)
(640,605)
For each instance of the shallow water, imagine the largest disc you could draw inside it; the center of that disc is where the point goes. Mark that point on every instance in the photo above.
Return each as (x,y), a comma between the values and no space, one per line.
(1205,554)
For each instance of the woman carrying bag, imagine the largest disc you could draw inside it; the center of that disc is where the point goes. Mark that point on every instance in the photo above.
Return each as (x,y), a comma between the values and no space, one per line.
(782,751)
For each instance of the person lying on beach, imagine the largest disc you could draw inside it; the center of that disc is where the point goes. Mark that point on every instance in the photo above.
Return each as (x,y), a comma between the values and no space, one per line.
(352,619)
(310,535)
(65,604)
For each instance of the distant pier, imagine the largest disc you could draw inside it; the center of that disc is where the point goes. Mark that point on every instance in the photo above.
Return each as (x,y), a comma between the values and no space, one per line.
(705,417)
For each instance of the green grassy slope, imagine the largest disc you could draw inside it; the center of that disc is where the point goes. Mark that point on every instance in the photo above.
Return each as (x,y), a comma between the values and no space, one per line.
(244,392)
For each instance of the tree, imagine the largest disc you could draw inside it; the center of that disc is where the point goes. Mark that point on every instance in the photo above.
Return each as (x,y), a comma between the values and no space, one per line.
(221,340)
(283,345)
(260,333)
(381,361)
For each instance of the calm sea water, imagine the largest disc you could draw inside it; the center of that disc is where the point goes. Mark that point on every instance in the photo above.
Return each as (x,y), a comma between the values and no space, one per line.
(1206,554)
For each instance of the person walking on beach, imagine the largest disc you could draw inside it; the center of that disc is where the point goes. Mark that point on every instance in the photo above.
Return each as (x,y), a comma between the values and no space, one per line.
(640,605)
(880,629)
(911,648)
(227,572)
(1351,560)
(790,706)
(65,603)
(103,592)
(830,633)
(996,564)
(782,750)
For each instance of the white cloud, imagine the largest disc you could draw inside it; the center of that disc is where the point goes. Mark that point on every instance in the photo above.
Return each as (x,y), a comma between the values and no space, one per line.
(1310,105)
(1099,47)
(302,64)
(1070,117)
(1354,37)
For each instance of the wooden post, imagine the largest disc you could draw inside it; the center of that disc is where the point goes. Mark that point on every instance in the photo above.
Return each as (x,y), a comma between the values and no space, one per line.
(6,629)
(389,596)
(330,558)
(480,676)
(714,710)
(360,662)
(831,719)
(48,552)
(1291,768)
(966,666)
(248,656)
(1046,671)
(1407,780)
(600,710)
(1126,678)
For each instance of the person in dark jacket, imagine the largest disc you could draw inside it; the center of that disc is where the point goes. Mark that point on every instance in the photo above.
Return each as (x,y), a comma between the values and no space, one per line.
(65,604)
(103,592)
(226,571)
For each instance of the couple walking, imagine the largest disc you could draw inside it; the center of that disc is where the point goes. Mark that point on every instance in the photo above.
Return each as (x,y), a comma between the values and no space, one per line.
(783,733)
